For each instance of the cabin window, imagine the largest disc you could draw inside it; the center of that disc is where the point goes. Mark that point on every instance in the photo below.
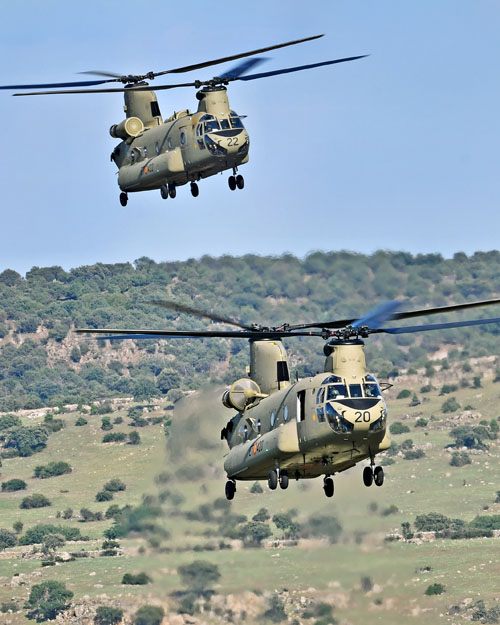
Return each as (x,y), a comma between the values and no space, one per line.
(337,391)
(183,138)
(355,390)
(285,414)
(157,147)
(258,425)
(301,405)
(198,130)
(282,372)
(169,143)
(320,414)
(235,120)
(333,379)
(144,151)
(201,145)
(155,109)
(273,419)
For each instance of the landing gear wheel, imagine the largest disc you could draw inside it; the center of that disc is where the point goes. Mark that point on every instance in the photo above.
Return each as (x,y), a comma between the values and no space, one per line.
(367,476)
(195,191)
(230,490)
(240,181)
(172,191)
(378,476)
(272,480)
(164,191)
(283,480)
(123,199)
(231,181)
(328,486)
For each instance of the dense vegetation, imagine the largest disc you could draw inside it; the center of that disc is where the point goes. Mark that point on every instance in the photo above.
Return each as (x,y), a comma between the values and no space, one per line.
(42,362)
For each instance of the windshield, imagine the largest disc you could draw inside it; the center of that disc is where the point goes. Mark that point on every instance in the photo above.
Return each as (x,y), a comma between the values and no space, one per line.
(372,390)
(337,391)
(212,125)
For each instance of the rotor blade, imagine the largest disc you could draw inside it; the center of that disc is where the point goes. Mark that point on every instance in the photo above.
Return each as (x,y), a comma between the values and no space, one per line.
(435,326)
(109,89)
(97,72)
(299,68)
(376,317)
(423,312)
(200,313)
(243,68)
(164,334)
(189,68)
(50,85)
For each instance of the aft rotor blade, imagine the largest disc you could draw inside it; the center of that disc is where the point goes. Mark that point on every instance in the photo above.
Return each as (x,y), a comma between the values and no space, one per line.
(376,317)
(98,72)
(165,334)
(242,68)
(299,68)
(233,57)
(110,89)
(200,313)
(435,326)
(55,85)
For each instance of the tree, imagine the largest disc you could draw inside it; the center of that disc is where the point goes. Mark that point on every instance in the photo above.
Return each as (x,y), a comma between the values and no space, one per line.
(47,600)
(149,615)
(276,610)
(114,485)
(459,459)
(13,485)
(104,495)
(27,440)
(398,428)
(435,589)
(7,539)
(17,526)
(199,575)
(140,579)
(167,380)
(51,543)
(35,501)
(324,526)
(450,405)
(262,515)
(134,438)
(108,615)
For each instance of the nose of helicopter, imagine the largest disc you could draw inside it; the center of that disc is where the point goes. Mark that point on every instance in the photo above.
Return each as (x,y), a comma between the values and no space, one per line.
(361,415)
(228,142)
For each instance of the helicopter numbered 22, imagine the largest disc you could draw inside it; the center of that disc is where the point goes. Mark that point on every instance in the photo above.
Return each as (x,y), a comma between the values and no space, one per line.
(187,147)
(317,426)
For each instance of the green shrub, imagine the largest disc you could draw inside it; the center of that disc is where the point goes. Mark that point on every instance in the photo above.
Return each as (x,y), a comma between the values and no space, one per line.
(17,526)
(9,421)
(81,421)
(134,438)
(9,606)
(490,522)
(141,579)
(51,424)
(108,615)
(435,589)
(323,526)
(421,422)
(36,500)
(88,516)
(404,394)
(414,454)
(149,615)
(106,424)
(256,489)
(262,515)
(446,389)
(47,600)
(117,420)
(398,428)
(13,485)
(113,512)
(275,611)
(67,513)
(114,437)
(253,533)
(104,495)
(27,440)
(450,405)
(199,575)
(36,534)
(7,539)
(52,469)
(114,485)
(459,459)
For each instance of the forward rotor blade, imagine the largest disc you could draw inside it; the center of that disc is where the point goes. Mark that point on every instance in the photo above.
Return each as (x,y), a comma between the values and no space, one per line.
(242,68)
(299,68)
(189,68)
(165,334)
(97,72)
(376,317)
(200,313)
(435,326)
(423,312)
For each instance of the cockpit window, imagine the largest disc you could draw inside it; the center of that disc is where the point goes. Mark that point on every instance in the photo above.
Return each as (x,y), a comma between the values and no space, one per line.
(355,390)
(320,397)
(333,379)
(337,391)
(224,124)
(372,390)
(236,122)
(212,125)
(369,378)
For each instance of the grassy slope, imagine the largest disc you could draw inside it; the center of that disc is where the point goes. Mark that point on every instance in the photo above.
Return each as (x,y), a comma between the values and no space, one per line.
(468,568)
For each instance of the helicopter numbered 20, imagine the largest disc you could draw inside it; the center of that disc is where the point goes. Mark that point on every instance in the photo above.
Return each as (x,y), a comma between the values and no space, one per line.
(187,147)
(317,426)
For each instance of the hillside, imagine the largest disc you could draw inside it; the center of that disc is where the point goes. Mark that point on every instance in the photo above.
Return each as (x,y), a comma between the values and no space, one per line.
(43,363)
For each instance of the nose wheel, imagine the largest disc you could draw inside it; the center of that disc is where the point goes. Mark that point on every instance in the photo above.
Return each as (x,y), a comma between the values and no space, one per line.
(195,191)
(236,182)
(123,199)
(328,486)
(230,489)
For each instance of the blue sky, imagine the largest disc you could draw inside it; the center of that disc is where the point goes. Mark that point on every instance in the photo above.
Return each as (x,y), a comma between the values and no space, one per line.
(396,151)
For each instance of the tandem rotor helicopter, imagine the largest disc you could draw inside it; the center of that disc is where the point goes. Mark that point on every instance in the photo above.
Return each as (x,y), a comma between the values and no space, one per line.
(187,147)
(321,425)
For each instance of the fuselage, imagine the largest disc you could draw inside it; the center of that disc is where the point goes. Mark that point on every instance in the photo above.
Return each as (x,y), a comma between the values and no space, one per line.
(317,426)
(186,147)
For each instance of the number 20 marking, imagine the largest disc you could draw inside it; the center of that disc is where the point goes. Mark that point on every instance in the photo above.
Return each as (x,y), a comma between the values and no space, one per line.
(362,416)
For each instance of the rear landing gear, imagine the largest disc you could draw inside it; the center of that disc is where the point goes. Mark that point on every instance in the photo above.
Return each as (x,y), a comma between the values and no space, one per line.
(195,191)
(272,480)
(283,480)
(164,191)
(123,199)
(328,486)
(367,476)
(373,475)
(378,476)
(172,191)
(230,490)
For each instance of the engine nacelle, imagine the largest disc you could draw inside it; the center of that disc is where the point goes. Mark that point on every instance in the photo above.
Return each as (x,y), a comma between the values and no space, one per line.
(130,127)
(242,392)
